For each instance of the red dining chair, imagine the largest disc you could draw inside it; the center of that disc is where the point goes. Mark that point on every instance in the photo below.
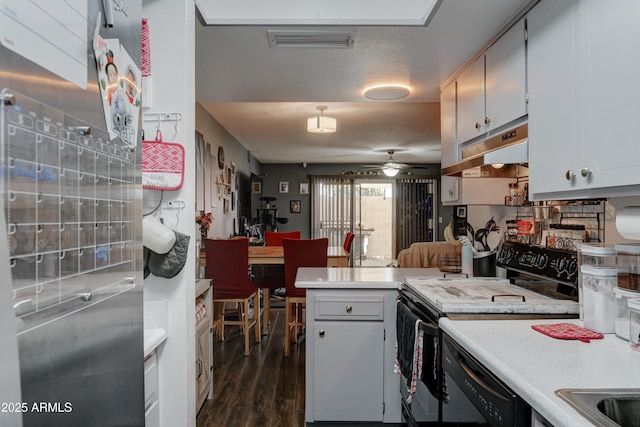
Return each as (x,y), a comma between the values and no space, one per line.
(299,253)
(227,266)
(348,241)
(272,276)
(274,238)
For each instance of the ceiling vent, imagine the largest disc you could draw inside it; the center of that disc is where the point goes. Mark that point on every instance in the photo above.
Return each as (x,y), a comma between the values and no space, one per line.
(343,39)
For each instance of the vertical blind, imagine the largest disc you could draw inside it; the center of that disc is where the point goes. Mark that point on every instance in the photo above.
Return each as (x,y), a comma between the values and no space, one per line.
(331,214)
(416,211)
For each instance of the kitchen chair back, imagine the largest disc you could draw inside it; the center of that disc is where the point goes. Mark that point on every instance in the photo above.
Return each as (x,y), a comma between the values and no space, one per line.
(272,276)
(227,266)
(274,238)
(299,253)
(348,240)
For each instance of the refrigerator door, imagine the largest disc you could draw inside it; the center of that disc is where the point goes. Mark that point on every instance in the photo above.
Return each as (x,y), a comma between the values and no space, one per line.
(10,368)
(72,202)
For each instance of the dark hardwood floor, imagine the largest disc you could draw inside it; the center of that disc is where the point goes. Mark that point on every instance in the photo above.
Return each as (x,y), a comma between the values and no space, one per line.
(262,389)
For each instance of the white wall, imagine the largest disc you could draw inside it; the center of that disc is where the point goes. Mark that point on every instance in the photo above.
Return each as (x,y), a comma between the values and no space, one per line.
(215,135)
(170,303)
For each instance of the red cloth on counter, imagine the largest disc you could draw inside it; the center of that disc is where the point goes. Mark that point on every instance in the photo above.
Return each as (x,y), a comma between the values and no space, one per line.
(568,331)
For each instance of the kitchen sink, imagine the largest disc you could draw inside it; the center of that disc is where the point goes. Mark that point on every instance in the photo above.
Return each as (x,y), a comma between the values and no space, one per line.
(605,407)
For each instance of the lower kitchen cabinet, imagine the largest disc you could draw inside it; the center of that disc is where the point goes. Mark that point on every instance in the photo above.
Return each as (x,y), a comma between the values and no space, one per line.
(350,356)
(348,371)
(204,346)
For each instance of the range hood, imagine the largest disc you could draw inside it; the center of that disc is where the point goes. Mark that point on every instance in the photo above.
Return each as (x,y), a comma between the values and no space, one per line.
(509,148)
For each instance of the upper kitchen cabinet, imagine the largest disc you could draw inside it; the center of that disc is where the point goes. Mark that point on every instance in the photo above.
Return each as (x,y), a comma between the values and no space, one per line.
(583,99)
(449,148)
(492,90)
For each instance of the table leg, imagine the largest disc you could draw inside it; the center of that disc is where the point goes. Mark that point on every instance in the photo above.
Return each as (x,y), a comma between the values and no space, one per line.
(266,301)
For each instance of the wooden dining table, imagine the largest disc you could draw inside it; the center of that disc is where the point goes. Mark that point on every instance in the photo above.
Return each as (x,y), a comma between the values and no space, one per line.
(270,255)
(260,255)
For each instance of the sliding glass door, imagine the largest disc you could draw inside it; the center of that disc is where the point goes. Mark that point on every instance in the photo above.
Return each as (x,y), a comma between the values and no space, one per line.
(385,215)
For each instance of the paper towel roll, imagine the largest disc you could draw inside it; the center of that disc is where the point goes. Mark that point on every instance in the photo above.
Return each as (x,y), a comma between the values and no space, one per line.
(628,222)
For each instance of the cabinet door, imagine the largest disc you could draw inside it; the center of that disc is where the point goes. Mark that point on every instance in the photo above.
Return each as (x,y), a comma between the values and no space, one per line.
(553,96)
(470,122)
(612,94)
(506,78)
(448,125)
(348,371)
(204,366)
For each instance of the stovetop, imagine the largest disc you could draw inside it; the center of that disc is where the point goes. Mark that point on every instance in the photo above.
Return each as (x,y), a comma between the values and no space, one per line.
(485,296)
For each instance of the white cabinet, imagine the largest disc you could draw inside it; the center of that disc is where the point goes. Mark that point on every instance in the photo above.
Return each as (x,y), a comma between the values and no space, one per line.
(582,99)
(492,90)
(350,356)
(204,346)
(463,191)
(151,395)
(471,93)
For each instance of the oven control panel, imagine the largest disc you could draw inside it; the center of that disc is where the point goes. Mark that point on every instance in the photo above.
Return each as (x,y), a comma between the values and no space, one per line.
(552,263)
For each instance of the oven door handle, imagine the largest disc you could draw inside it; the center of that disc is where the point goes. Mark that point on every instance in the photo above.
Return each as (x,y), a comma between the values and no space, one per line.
(476,378)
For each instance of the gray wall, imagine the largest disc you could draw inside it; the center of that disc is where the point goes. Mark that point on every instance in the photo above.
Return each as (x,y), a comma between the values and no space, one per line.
(296,173)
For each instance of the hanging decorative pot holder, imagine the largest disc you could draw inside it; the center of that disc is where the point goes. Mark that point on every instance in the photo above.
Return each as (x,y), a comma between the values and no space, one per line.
(568,331)
(162,164)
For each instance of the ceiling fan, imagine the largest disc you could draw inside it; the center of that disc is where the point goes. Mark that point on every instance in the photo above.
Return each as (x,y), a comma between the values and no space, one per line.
(391,167)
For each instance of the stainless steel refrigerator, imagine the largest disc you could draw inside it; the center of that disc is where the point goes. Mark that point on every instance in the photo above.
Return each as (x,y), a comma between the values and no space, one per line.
(71,283)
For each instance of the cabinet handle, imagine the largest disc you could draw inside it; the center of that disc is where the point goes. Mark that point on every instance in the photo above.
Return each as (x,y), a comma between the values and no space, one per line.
(487,121)
(349,309)
(585,171)
(321,332)
(569,175)
(478,125)
(451,192)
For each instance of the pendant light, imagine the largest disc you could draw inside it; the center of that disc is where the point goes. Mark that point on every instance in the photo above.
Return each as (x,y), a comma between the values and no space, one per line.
(321,123)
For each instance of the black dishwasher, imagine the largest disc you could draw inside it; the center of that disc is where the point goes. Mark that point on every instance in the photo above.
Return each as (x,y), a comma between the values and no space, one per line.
(497,403)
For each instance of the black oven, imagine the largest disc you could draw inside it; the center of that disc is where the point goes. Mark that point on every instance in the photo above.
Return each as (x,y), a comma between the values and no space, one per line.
(450,407)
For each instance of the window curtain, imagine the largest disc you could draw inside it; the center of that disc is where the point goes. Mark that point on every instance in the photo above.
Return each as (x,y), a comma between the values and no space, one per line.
(331,208)
(416,210)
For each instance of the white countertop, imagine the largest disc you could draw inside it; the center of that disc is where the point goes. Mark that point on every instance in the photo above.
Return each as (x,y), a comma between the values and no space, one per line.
(152,339)
(359,278)
(535,365)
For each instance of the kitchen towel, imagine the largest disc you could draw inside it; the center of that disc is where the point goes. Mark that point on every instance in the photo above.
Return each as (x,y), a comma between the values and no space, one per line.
(408,361)
(568,331)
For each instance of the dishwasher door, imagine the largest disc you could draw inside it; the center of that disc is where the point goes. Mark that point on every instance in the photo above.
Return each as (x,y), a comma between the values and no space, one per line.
(497,403)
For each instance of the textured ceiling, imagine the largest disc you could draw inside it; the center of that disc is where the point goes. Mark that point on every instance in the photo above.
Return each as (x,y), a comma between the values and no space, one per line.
(264,95)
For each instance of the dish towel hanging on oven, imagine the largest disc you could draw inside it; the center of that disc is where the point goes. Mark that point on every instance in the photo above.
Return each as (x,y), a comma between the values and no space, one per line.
(408,361)
(417,354)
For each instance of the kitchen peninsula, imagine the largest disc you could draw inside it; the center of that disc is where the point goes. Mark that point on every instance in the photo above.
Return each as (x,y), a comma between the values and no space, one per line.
(351,336)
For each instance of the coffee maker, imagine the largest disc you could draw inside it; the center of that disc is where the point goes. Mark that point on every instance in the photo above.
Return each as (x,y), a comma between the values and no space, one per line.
(460,225)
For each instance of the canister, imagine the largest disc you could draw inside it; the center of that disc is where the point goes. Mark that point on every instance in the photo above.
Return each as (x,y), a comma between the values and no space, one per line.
(599,301)
(629,258)
(622,312)
(596,254)
(634,322)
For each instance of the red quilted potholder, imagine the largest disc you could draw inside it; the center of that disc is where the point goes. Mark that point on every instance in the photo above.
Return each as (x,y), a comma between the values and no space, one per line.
(568,331)
(162,164)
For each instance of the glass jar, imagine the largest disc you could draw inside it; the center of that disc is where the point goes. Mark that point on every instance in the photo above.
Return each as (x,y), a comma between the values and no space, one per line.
(596,255)
(599,301)
(629,258)
(622,312)
(634,322)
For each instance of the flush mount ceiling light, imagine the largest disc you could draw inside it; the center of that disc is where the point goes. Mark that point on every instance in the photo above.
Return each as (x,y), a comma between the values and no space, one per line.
(321,123)
(387,92)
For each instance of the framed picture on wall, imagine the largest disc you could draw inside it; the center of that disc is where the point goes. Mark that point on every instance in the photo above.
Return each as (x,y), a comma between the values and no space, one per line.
(304,188)
(256,187)
(283,187)
(295,206)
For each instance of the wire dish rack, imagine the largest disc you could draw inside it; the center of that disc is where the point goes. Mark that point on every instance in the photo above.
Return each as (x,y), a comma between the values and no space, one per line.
(450,265)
